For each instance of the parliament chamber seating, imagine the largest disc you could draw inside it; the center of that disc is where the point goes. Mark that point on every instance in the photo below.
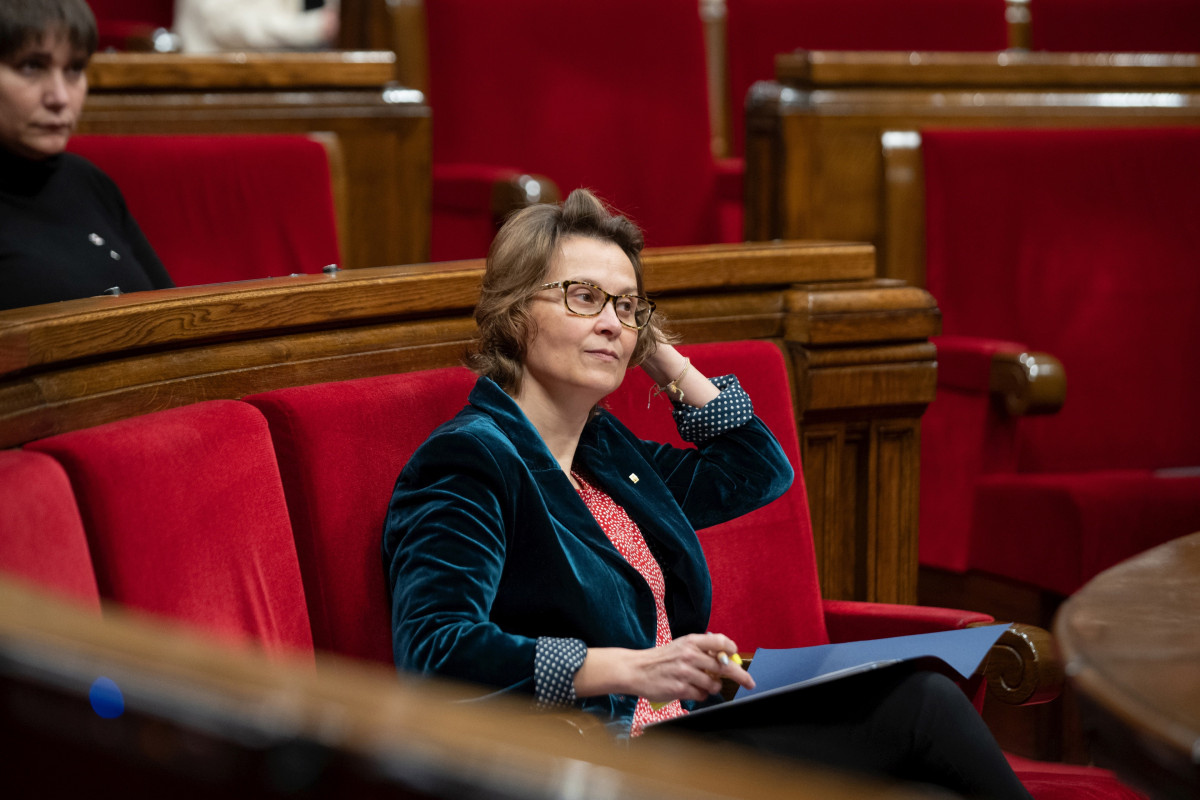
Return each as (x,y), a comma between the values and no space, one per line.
(42,539)
(758,30)
(186,516)
(228,207)
(232,468)
(609,95)
(1079,244)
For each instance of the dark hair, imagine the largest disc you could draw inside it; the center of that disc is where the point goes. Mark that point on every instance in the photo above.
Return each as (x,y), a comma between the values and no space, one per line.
(25,21)
(518,262)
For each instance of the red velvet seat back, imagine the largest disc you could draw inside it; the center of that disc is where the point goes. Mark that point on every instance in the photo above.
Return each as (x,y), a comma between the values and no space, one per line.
(225,208)
(1122,26)
(1083,244)
(765,587)
(759,29)
(118,20)
(41,535)
(340,447)
(605,94)
(186,518)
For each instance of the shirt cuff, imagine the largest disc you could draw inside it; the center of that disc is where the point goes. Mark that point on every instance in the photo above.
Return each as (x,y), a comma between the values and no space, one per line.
(728,410)
(555,663)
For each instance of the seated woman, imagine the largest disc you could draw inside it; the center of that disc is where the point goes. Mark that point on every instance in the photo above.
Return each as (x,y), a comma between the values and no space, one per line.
(535,545)
(65,232)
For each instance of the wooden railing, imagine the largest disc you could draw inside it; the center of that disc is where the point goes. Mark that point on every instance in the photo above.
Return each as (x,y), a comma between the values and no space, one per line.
(382,126)
(813,157)
(862,367)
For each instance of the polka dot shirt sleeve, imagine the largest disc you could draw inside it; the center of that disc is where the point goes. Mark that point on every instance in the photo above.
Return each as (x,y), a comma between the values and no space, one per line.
(728,410)
(555,663)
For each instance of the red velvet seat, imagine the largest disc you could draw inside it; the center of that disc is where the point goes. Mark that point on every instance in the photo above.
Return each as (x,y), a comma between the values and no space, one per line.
(605,94)
(340,447)
(41,535)
(1122,26)
(121,22)
(763,564)
(186,518)
(1082,244)
(225,208)
(765,590)
(757,30)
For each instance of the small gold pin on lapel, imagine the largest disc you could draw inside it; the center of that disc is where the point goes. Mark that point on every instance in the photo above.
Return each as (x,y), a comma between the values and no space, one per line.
(633,477)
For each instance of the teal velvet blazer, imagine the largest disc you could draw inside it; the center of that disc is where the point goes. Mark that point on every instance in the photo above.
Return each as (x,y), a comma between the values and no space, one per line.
(487,546)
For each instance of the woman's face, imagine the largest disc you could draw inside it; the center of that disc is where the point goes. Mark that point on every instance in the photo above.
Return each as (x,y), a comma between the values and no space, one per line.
(42,89)
(579,358)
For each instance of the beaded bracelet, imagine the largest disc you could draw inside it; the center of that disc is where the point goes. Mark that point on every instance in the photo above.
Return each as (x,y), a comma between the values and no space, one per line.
(672,387)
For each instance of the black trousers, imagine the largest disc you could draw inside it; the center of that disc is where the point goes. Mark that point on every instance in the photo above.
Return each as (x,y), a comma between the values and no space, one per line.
(896,722)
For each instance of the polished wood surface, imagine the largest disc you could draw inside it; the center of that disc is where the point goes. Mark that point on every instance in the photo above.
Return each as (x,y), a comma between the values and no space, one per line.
(814,164)
(201,720)
(383,128)
(858,348)
(1131,641)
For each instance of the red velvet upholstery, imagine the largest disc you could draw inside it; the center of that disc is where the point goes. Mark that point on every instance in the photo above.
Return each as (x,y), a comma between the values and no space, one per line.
(186,518)
(340,447)
(759,29)
(41,535)
(225,208)
(1123,26)
(605,94)
(119,20)
(764,568)
(1054,781)
(1080,243)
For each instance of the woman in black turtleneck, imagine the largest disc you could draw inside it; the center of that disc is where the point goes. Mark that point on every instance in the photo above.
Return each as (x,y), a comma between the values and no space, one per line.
(64,229)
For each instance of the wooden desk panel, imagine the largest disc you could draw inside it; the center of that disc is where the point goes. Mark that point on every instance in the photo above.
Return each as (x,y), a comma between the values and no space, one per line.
(384,129)
(1131,643)
(863,370)
(813,155)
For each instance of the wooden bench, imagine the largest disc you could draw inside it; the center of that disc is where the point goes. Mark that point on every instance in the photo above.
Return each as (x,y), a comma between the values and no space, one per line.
(813,163)
(132,387)
(383,127)
(857,347)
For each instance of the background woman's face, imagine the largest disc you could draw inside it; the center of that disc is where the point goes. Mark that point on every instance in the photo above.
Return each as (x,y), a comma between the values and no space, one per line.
(42,89)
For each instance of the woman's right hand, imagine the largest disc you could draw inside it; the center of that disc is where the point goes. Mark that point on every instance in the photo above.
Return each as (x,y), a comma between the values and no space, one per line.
(689,668)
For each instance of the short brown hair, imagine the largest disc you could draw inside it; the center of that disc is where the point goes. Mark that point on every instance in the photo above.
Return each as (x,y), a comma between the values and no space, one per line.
(518,262)
(25,21)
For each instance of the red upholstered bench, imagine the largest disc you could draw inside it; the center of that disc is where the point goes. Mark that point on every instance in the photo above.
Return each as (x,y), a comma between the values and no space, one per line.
(612,96)
(186,518)
(1121,26)
(1082,244)
(41,535)
(758,30)
(340,448)
(187,513)
(129,24)
(226,208)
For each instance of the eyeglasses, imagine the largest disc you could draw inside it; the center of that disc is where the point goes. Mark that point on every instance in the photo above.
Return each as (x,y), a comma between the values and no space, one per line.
(588,300)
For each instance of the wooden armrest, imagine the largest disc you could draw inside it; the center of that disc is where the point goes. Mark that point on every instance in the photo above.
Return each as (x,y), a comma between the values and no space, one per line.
(1028,383)
(1024,667)
(520,191)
